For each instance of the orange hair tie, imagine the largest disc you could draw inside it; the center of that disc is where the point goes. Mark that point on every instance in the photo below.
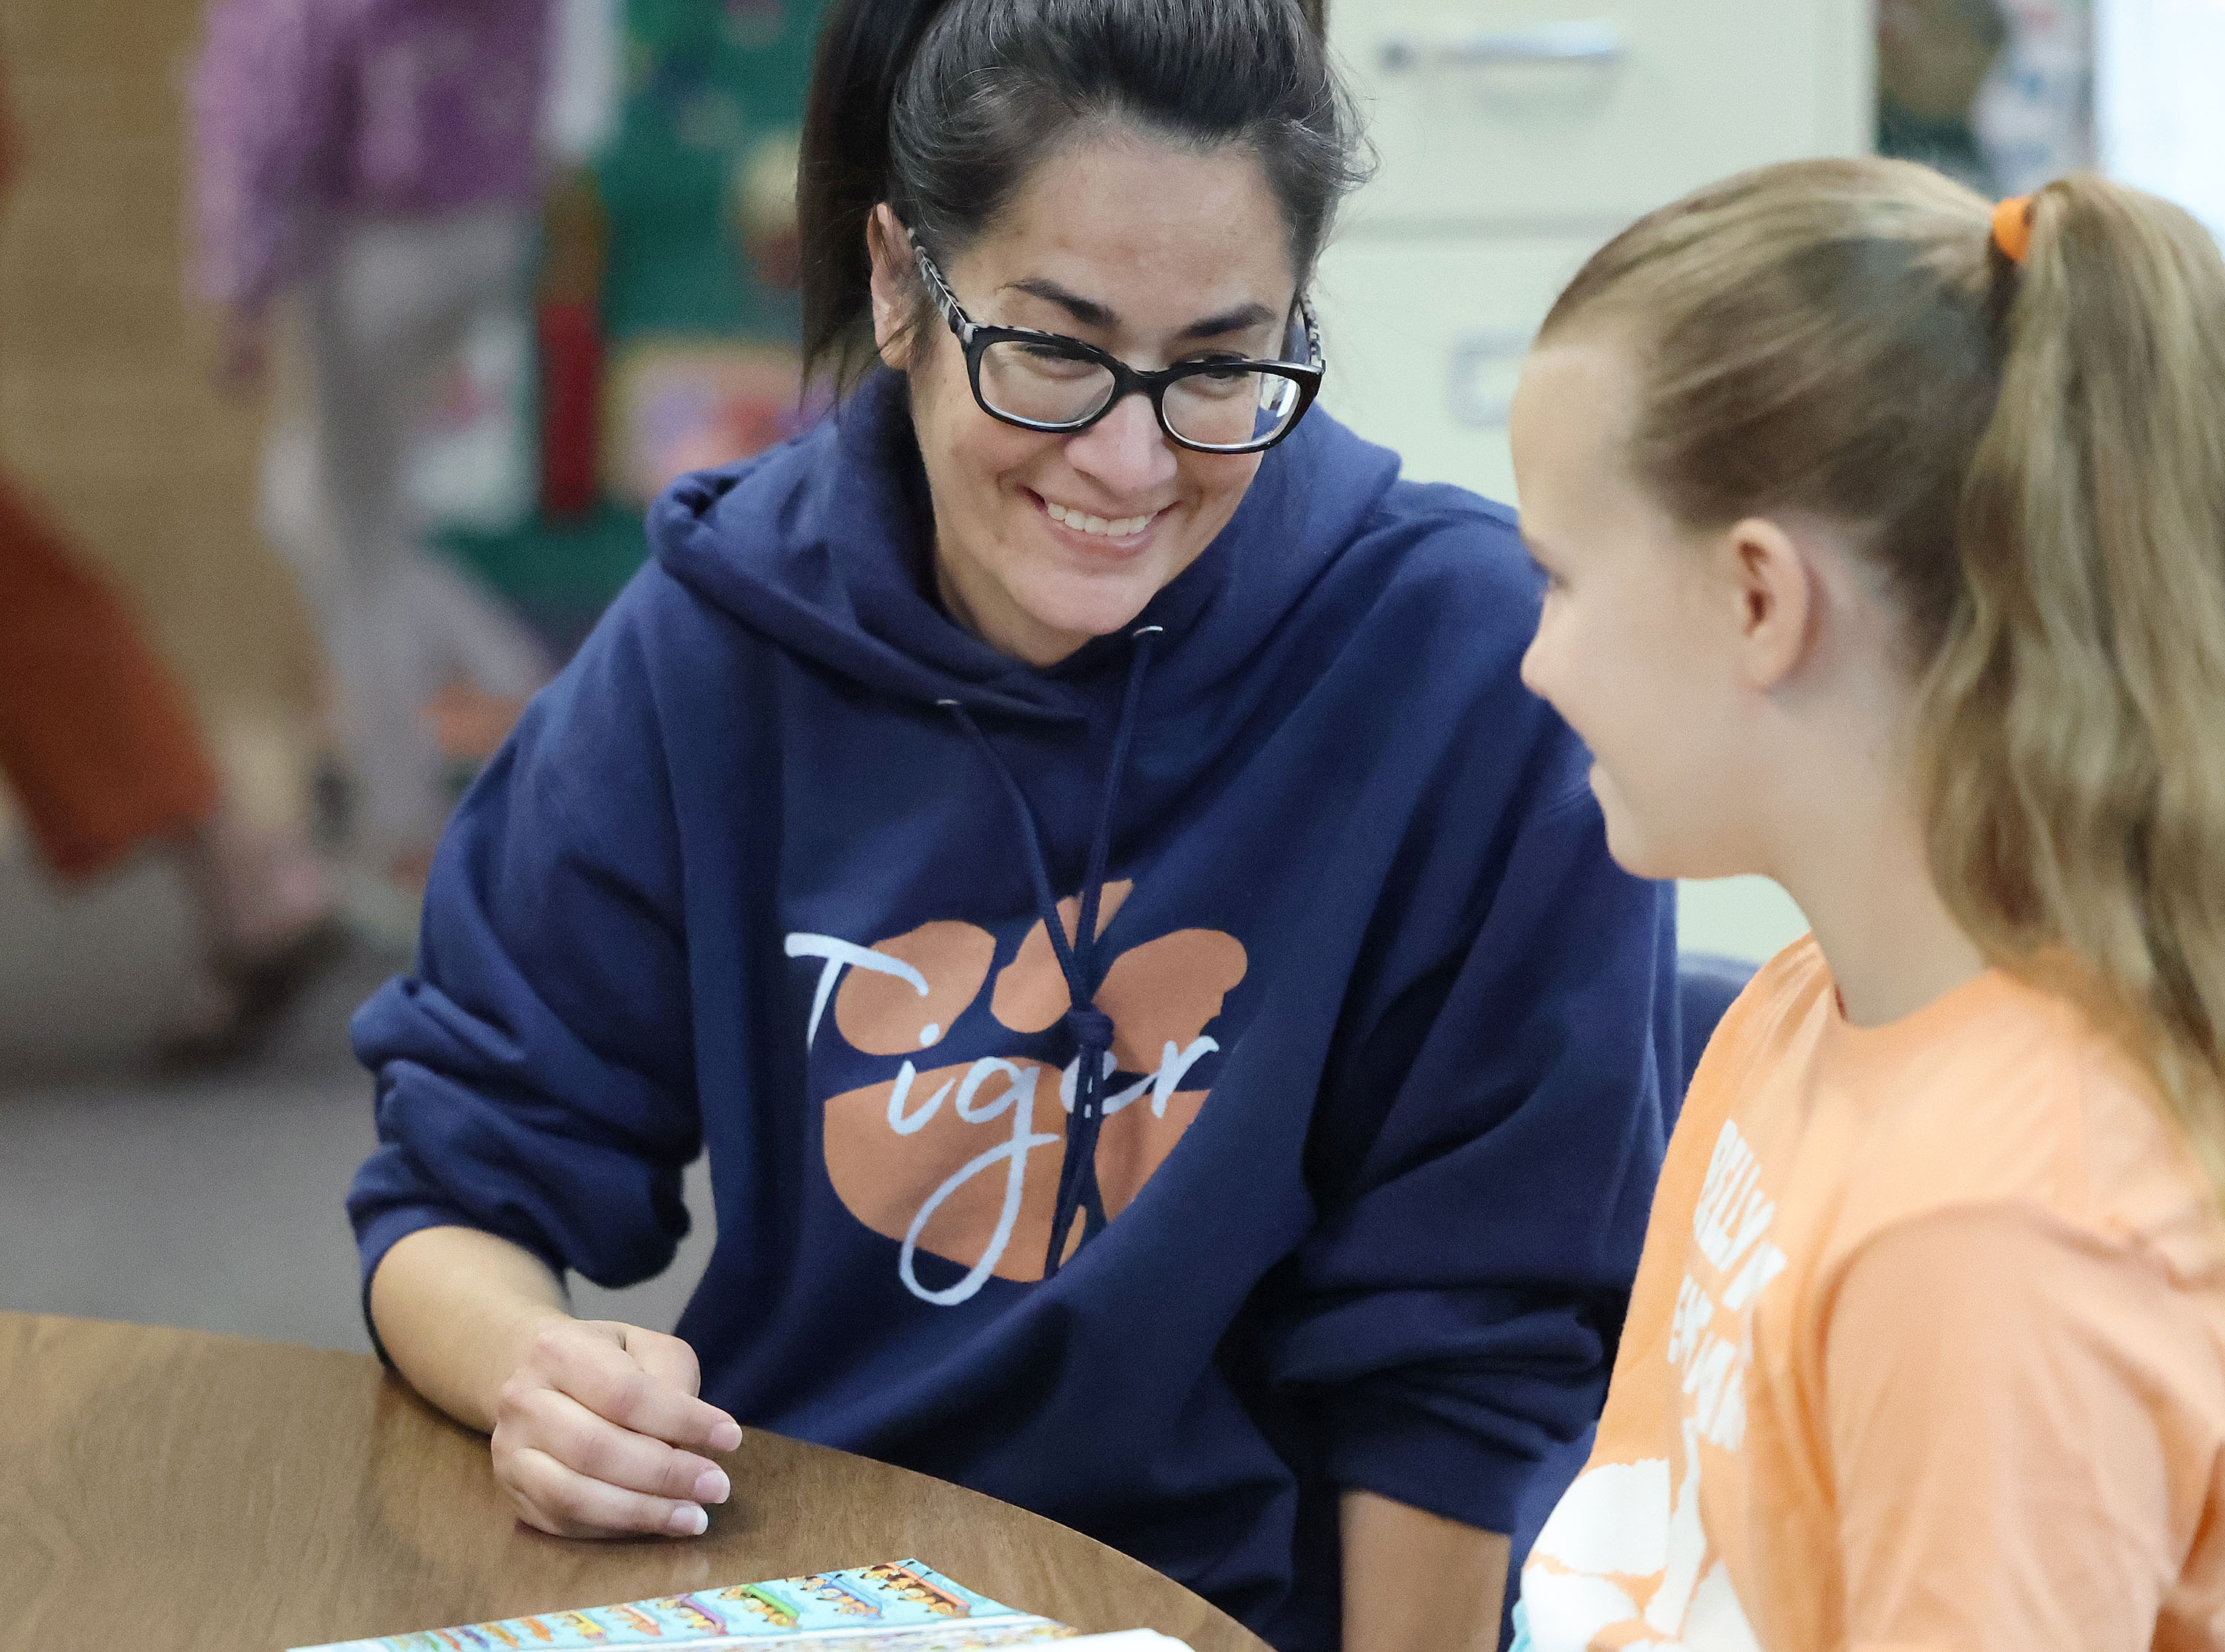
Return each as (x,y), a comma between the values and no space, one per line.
(2013,227)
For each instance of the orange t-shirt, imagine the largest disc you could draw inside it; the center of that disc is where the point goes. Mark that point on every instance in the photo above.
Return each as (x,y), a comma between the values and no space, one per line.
(1927,1349)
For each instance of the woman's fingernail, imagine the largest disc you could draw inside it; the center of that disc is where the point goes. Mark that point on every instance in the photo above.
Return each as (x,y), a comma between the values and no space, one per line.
(726,1437)
(712,1485)
(689,1521)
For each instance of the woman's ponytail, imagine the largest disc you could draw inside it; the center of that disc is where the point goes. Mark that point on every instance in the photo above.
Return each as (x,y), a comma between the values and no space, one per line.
(2077,711)
(864,47)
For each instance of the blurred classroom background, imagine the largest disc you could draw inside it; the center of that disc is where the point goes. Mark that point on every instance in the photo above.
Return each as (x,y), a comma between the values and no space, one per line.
(651,332)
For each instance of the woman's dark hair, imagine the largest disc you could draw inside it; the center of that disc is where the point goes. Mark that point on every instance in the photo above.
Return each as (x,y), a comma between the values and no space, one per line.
(943,107)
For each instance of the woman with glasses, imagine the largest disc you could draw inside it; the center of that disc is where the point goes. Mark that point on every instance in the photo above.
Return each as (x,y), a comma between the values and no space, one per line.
(1066,838)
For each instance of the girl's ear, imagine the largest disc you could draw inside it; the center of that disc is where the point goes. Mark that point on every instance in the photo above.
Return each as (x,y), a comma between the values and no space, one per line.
(894,286)
(1777,597)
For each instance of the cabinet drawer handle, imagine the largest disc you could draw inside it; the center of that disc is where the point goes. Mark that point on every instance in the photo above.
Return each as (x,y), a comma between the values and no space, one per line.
(1480,379)
(1597,42)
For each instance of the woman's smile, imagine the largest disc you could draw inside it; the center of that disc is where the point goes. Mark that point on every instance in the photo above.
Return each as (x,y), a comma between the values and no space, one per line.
(1078,528)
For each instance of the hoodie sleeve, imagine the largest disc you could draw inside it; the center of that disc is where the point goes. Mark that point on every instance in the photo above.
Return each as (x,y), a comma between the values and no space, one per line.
(535,1076)
(1456,1308)
(270,100)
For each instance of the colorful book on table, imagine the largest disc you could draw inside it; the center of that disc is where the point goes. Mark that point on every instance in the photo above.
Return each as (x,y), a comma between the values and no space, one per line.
(901,1606)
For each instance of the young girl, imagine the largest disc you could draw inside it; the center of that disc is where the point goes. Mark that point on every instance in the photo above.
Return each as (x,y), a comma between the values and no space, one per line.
(379,156)
(1885,535)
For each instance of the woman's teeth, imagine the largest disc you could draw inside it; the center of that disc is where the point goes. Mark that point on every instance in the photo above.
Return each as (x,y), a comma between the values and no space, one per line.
(1118,528)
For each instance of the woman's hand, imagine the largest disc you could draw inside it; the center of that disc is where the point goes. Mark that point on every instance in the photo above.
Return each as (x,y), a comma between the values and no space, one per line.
(597,1433)
(597,1427)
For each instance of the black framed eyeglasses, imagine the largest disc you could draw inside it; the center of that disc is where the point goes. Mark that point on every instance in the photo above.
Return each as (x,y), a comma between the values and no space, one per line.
(1061,386)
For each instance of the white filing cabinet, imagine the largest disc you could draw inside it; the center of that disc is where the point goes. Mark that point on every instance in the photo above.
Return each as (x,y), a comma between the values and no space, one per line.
(1514,137)
(1424,334)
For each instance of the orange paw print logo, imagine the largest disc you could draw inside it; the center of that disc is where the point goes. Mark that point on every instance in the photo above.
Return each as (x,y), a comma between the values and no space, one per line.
(962,1161)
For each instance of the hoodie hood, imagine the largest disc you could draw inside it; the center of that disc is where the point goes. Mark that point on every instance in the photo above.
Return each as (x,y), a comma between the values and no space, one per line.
(823,546)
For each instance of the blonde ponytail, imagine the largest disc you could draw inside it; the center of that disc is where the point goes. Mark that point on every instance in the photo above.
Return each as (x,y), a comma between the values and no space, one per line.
(2036,451)
(2077,715)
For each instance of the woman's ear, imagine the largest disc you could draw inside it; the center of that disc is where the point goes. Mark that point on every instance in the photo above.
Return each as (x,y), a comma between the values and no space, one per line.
(1777,597)
(896,285)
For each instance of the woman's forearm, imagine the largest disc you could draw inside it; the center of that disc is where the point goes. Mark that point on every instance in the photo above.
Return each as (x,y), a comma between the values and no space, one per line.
(597,1427)
(1417,1582)
(457,1310)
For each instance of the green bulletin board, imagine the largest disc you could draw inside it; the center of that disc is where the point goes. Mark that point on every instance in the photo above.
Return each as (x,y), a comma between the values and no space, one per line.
(706,82)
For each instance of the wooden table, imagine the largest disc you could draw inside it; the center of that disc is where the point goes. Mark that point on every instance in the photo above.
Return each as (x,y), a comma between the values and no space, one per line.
(166,1490)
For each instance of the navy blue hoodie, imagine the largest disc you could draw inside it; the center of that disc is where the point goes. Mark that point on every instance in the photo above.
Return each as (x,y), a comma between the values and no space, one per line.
(763,875)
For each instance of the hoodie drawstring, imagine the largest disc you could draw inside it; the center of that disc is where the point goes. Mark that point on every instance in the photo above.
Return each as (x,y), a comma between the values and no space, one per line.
(1091,1027)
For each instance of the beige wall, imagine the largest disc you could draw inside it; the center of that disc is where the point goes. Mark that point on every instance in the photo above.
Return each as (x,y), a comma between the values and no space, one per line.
(107,414)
